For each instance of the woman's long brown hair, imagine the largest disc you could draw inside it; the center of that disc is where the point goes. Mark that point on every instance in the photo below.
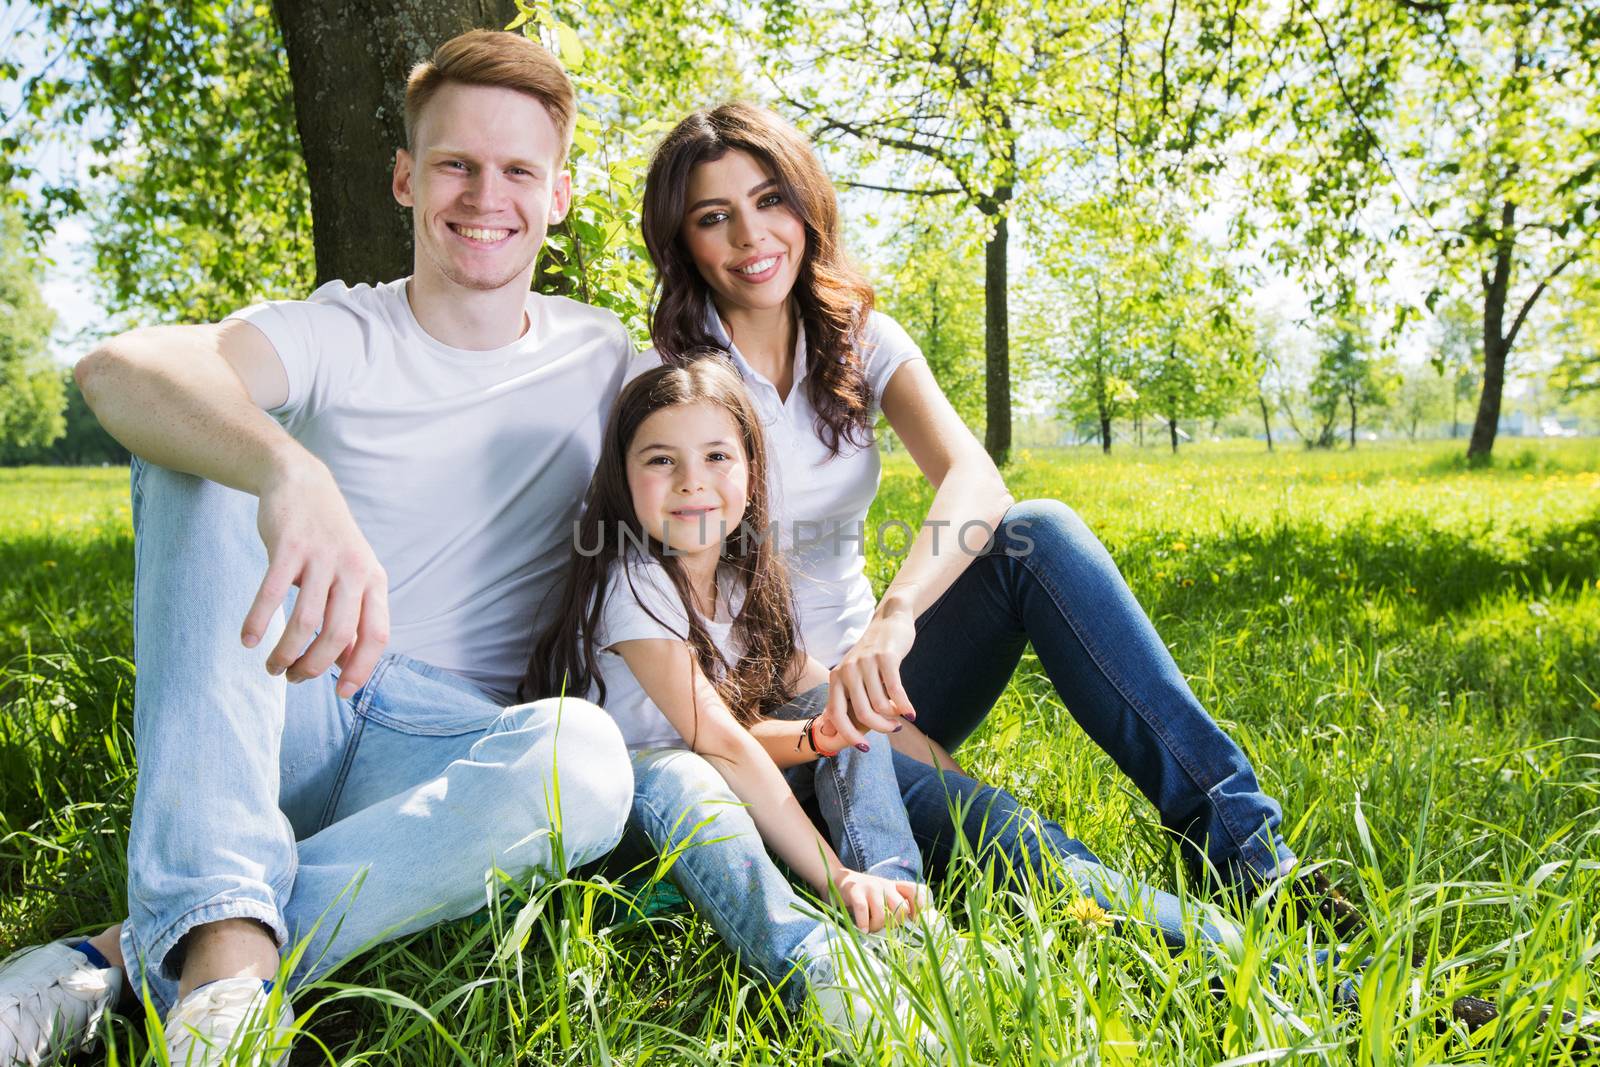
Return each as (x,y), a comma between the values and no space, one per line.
(831,298)
(565,659)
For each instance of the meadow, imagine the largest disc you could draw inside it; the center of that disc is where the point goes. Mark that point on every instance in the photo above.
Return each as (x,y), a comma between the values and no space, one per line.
(1408,650)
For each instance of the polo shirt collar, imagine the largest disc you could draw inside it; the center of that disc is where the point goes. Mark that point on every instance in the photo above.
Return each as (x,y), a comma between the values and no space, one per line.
(719,332)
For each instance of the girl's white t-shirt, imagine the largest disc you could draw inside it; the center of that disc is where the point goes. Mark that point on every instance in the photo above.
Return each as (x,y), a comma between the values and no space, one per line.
(641,603)
(819,500)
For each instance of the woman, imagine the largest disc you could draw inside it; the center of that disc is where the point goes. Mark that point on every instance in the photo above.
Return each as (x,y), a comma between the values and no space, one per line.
(742,225)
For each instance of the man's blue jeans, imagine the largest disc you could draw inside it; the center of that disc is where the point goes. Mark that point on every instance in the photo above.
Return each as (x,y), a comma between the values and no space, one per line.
(344,822)
(1045,578)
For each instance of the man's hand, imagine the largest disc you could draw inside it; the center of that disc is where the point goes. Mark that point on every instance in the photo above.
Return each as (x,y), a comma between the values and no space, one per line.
(313,543)
(864,690)
(875,902)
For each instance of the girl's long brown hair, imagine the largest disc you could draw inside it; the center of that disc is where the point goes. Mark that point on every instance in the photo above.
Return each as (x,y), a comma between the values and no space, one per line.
(565,658)
(830,297)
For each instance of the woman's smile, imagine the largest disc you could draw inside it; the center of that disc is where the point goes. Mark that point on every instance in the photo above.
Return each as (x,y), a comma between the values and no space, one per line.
(744,236)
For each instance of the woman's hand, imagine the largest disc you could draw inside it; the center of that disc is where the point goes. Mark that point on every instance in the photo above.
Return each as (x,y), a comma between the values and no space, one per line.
(864,690)
(875,902)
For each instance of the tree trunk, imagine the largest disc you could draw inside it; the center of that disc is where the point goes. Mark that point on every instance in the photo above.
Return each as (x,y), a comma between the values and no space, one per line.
(349,61)
(1352,398)
(1105,432)
(1172,428)
(1495,284)
(1266,419)
(996,334)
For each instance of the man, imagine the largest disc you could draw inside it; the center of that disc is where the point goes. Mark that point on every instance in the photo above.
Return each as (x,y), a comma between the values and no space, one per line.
(412,490)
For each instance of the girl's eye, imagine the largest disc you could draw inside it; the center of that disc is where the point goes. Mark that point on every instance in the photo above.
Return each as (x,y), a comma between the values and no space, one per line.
(711,218)
(658,461)
(770,200)
(720,457)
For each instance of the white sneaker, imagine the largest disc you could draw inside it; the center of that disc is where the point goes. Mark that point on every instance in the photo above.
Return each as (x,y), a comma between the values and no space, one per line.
(223,1022)
(930,934)
(51,1001)
(849,987)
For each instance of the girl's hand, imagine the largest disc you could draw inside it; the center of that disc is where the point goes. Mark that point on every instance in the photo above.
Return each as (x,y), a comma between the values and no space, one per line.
(864,690)
(875,902)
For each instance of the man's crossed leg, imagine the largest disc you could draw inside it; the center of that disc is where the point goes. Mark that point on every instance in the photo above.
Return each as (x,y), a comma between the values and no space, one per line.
(269,815)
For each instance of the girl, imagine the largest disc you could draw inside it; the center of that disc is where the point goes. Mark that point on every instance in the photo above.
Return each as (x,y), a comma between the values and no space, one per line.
(742,226)
(677,618)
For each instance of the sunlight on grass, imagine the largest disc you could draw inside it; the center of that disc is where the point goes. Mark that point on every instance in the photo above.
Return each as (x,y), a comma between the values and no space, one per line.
(1406,648)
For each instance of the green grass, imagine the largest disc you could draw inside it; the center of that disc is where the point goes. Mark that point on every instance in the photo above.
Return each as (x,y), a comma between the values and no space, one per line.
(1409,651)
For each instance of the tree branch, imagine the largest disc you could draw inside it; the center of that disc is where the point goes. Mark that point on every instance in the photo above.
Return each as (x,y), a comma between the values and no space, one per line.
(905,191)
(1355,113)
(1538,291)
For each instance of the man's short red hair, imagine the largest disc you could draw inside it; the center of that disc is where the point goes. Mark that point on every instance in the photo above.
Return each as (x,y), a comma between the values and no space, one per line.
(500,59)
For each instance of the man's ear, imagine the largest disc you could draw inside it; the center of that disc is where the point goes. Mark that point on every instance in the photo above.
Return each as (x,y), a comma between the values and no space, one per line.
(401,185)
(560,197)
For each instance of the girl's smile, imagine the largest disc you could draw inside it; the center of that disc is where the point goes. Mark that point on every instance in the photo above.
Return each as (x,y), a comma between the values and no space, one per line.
(689,478)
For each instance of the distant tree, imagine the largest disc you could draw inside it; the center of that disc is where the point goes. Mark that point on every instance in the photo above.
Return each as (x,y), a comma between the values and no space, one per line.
(1204,354)
(1083,321)
(31,395)
(1458,354)
(84,441)
(933,287)
(1348,377)
(1421,395)
(1464,131)
(1270,384)
(1575,339)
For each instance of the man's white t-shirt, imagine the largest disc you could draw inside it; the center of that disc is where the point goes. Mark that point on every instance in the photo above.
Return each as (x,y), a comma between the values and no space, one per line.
(819,500)
(464,469)
(640,603)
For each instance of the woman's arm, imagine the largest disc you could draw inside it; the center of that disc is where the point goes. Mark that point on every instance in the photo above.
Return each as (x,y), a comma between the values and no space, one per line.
(968,495)
(671,678)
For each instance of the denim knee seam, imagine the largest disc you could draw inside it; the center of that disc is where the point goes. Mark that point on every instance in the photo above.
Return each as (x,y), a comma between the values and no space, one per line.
(1153,721)
(358,722)
(847,828)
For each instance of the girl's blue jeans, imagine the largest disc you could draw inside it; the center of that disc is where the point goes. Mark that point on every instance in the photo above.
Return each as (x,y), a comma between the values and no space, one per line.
(684,812)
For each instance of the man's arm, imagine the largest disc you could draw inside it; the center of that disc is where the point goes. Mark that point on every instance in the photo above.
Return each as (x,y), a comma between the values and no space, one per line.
(191,398)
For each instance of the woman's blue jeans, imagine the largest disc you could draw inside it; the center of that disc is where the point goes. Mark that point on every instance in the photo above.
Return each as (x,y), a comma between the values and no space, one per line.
(1045,578)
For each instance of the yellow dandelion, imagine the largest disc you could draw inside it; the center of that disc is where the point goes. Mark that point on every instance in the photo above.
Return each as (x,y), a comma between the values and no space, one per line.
(1085,912)
(1179,546)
